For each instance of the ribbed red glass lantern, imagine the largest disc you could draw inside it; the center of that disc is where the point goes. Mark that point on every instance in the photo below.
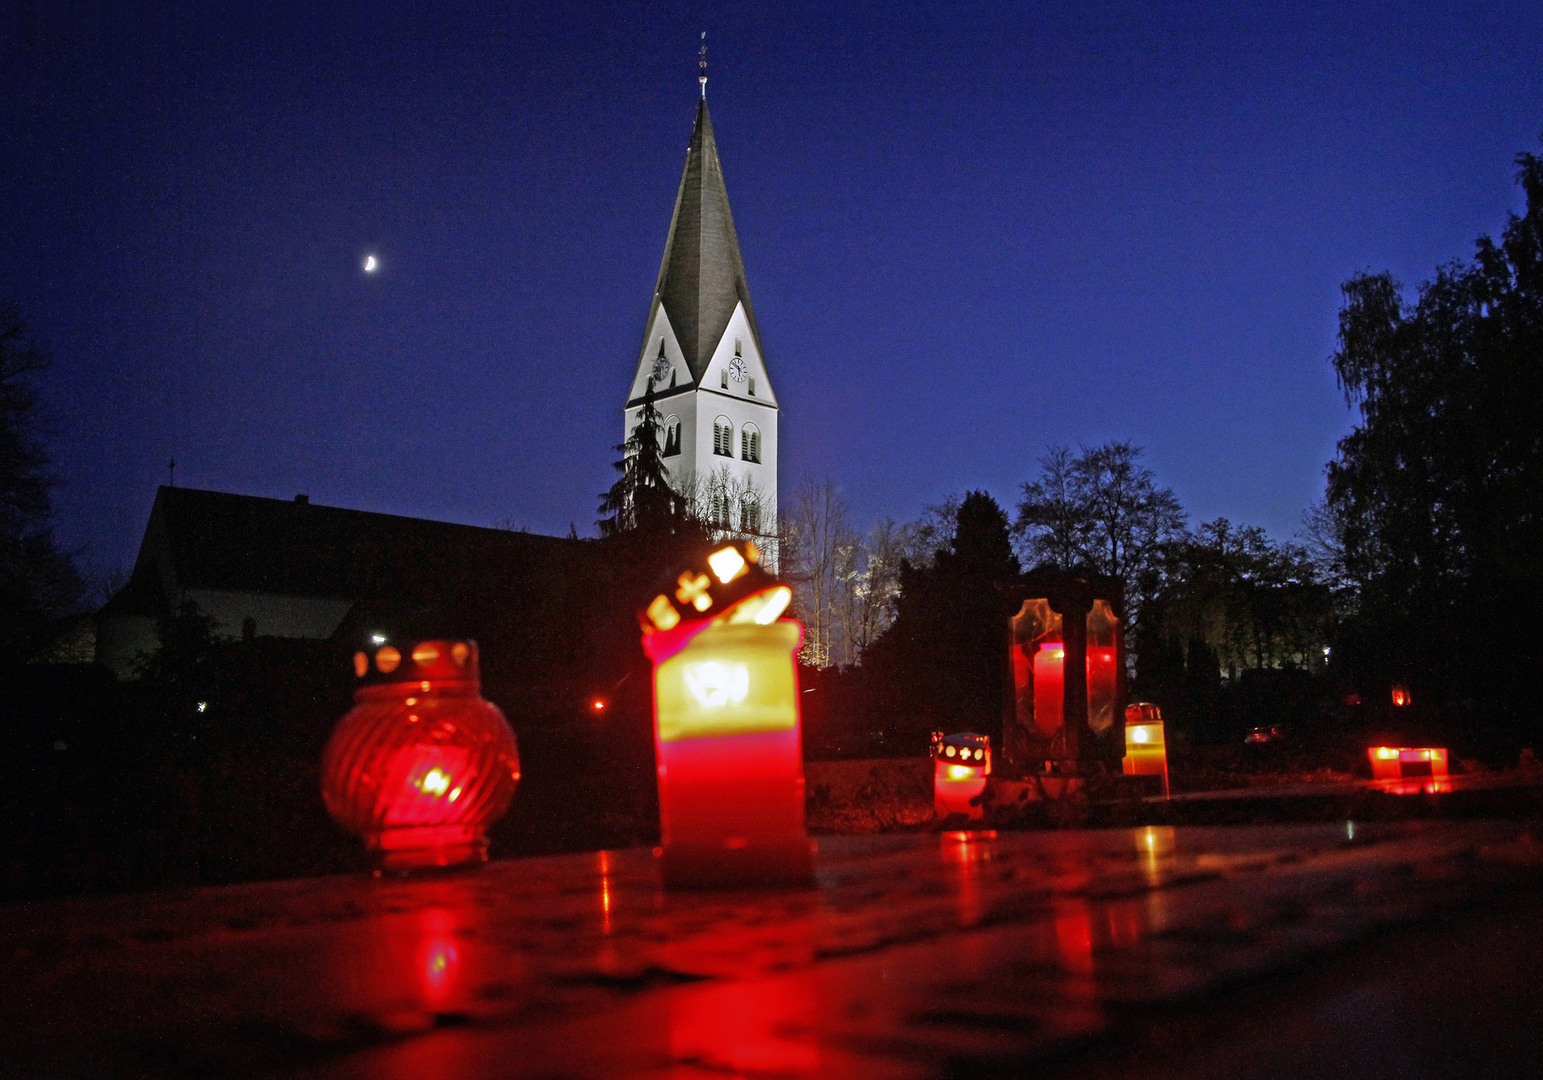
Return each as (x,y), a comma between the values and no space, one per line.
(422,764)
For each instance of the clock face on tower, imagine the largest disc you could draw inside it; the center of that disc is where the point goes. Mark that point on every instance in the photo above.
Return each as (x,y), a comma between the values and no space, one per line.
(737,369)
(661,369)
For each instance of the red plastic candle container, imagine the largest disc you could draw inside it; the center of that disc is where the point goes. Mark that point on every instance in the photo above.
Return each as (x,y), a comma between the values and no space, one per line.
(422,764)
(961,763)
(1403,762)
(726,726)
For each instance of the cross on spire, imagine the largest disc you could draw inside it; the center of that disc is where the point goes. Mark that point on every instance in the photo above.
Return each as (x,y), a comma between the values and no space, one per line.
(702,64)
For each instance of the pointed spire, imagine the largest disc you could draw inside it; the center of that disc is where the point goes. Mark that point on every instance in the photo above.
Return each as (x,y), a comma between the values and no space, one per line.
(702,278)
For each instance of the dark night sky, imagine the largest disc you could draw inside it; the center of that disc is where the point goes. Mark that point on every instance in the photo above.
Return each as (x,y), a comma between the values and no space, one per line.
(969,232)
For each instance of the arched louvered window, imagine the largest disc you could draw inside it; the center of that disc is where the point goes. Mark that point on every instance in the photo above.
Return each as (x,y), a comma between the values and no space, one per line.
(749,443)
(723,437)
(672,436)
(750,514)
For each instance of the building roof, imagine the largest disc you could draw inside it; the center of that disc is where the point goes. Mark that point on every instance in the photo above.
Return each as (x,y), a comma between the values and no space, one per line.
(213,540)
(701,277)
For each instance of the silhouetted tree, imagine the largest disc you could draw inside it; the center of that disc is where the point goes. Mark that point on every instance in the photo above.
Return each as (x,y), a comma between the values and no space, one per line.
(185,658)
(1439,489)
(1101,510)
(38,581)
(642,497)
(1251,602)
(940,664)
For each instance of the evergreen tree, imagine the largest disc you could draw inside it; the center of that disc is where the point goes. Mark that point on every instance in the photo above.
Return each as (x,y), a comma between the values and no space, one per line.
(939,666)
(642,498)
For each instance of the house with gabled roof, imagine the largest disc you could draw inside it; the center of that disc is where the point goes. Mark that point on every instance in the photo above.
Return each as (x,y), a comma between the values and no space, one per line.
(293,569)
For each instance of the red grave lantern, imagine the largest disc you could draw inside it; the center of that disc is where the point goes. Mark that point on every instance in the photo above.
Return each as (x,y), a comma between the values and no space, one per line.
(960,764)
(422,764)
(1146,747)
(1065,672)
(1404,762)
(726,726)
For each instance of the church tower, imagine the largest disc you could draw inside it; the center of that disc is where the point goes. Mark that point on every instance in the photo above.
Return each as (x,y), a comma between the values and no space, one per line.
(702,358)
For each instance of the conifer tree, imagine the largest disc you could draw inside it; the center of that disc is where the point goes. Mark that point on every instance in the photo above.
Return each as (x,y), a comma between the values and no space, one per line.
(642,497)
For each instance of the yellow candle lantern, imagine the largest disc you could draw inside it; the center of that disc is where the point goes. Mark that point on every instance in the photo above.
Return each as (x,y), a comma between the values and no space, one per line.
(1146,749)
(726,726)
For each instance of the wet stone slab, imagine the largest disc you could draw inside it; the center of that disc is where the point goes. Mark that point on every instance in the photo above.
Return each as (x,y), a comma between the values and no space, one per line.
(914,956)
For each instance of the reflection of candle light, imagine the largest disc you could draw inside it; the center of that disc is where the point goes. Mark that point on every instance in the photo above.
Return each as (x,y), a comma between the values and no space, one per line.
(1154,842)
(759,1027)
(1415,787)
(1101,687)
(1124,924)
(1074,938)
(439,959)
(967,851)
(605,893)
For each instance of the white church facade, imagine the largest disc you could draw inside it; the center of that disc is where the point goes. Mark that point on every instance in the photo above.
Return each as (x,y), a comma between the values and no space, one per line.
(702,360)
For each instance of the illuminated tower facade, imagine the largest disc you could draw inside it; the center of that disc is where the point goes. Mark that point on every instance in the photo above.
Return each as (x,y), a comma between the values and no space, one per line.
(701,358)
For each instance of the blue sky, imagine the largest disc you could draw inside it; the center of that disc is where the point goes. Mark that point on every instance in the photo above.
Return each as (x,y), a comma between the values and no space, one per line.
(970,231)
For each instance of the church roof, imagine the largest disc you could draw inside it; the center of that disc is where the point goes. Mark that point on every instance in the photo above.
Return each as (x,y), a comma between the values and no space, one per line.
(214,540)
(702,277)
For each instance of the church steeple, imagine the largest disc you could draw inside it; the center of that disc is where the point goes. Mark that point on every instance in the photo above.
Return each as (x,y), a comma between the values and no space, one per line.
(701,361)
(701,277)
